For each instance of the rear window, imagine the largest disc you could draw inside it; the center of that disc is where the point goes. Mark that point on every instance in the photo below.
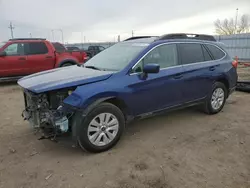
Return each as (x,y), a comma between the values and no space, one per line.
(36,48)
(191,53)
(58,47)
(215,51)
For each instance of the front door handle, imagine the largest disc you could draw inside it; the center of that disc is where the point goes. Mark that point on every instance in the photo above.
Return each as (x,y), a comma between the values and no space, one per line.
(22,58)
(48,57)
(178,76)
(212,68)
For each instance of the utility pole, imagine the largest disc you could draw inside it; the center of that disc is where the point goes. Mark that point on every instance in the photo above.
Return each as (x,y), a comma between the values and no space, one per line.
(11,30)
(82,39)
(132,33)
(119,38)
(30,35)
(62,35)
(236,20)
(53,37)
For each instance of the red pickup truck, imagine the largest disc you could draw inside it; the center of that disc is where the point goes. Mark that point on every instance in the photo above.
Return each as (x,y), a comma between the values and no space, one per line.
(20,57)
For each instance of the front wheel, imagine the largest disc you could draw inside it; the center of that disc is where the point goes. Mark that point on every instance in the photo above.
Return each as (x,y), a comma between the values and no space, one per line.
(216,99)
(101,129)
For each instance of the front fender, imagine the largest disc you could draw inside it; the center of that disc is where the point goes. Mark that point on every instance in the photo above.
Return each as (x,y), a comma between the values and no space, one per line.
(86,95)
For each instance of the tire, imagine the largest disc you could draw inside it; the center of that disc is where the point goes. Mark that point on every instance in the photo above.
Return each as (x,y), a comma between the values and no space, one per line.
(88,124)
(66,64)
(215,102)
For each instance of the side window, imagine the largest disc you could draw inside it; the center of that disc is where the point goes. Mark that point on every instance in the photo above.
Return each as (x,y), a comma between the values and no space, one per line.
(15,49)
(216,52)
(191,53)
(207,56)
(165,56)
(36,48)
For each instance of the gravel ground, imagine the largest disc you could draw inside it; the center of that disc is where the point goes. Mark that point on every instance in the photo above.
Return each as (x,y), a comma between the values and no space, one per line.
(180,149)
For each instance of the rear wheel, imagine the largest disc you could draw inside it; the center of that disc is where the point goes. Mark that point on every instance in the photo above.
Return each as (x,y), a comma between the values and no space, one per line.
(216,99)
(66,64)
(101,129)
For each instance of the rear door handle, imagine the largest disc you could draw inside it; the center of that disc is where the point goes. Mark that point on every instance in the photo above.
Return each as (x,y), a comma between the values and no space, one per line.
(178,76)
(22,58)
(212,68)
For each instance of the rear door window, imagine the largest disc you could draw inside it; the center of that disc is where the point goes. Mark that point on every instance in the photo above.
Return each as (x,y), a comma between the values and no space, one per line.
(191,53)
(36,48)
(215,51)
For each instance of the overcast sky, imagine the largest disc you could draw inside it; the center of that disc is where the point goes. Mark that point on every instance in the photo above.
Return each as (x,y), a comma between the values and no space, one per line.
(103,20)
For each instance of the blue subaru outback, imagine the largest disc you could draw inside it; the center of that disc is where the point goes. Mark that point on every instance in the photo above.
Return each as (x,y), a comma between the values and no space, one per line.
(136,78)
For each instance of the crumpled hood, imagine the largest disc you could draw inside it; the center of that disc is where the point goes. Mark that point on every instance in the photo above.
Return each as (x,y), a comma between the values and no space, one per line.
(62,78)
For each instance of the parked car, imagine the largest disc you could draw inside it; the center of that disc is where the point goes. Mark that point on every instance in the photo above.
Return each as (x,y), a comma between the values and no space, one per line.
(93,50)
(20,57)
(81,55)
(133,79)
(73,48)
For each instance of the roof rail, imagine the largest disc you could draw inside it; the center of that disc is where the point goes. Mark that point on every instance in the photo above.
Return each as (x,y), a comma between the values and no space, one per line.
(27,39)
(187,36)
(138,37)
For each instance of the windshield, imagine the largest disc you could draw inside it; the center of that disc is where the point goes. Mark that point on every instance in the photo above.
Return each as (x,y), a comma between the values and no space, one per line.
(116,57)
(2,44)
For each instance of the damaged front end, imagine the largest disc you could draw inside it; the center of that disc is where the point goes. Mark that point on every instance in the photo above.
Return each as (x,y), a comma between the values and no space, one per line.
(47,113)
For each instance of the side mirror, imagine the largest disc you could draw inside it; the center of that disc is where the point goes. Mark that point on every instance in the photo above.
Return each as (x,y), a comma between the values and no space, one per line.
(3,53)
(151,68)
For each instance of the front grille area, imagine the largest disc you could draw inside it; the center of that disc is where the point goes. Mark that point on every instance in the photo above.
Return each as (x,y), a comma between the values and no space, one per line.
(41,109)
(56,98)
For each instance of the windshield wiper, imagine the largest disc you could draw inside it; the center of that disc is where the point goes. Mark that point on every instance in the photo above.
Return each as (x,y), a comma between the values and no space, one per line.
(93,67)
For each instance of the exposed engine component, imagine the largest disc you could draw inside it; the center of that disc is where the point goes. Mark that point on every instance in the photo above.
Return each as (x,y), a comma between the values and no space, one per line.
(46,111)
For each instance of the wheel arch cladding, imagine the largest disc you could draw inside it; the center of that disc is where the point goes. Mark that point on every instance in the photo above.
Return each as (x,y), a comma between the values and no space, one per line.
(224,81)
(119,103)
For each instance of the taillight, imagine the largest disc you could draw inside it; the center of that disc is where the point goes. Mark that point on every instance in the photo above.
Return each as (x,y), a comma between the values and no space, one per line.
(235,62)
(84,56)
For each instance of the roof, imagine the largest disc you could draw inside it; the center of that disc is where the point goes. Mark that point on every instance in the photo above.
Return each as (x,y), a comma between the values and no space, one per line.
(187,36)
(174,37)
(15,39)
(141,40)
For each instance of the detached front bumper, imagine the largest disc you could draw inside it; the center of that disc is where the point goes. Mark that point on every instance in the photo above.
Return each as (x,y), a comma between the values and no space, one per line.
(243,86)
